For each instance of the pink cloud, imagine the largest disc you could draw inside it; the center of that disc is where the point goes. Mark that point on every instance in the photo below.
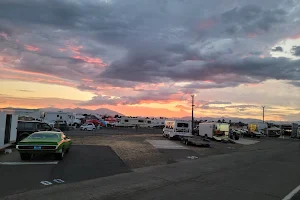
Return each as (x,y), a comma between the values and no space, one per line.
(88,59)
(31,48)
(4,35)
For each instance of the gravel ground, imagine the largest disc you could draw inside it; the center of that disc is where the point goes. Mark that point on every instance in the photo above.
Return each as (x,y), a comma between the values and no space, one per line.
(132,149)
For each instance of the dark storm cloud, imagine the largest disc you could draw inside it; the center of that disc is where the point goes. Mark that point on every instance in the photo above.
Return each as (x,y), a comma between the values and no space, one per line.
(295,83)
(296,50)
(150,41)
(252,18)
(280,49)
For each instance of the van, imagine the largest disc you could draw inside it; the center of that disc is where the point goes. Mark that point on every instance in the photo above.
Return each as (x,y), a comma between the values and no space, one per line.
(177,128)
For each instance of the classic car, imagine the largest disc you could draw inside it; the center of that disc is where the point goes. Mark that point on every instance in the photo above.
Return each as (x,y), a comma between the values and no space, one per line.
(44,142)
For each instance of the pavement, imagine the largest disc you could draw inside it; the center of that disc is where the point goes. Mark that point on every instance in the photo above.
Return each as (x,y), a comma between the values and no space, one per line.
(267,170)
(83,162)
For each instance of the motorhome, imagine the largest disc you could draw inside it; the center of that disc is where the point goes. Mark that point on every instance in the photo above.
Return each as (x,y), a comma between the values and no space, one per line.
(176,128)
(8,129)
(131,122)
(52,116)
(214,130)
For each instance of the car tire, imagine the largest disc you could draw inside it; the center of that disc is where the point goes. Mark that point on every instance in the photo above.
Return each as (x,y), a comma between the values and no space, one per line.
(25,156)
(59,156)
(85,129)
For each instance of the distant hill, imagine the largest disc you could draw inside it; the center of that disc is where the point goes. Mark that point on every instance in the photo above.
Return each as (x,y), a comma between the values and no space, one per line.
(101,111)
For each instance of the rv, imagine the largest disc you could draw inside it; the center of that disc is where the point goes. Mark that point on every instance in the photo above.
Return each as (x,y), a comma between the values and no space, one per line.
(177,128)
(214,130)
(52,116)
(8,129)
(131,122)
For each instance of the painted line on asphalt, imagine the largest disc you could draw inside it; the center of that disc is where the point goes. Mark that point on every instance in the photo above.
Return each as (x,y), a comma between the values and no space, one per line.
(292,193)
(28,163)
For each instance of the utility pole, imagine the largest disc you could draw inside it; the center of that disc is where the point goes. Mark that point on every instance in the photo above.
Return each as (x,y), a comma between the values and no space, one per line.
(263,107)
(193,112)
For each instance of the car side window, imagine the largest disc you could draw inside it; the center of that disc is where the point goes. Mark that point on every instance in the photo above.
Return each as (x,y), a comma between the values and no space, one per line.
(28,126)
(20,126)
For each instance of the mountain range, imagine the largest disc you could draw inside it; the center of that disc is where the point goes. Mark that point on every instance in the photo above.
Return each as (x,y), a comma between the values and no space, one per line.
(101,111)
(105,111)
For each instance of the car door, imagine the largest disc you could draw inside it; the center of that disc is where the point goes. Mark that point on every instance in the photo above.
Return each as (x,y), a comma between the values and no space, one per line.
(90,127)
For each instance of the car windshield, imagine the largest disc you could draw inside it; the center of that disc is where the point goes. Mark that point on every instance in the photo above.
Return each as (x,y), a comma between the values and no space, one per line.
(44,135)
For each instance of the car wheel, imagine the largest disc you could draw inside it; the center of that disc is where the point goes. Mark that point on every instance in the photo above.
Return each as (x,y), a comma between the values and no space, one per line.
(85,129)
(25,156)
(59,156)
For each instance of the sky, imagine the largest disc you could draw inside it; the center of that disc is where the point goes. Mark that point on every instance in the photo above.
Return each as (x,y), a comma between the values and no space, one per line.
(146,58)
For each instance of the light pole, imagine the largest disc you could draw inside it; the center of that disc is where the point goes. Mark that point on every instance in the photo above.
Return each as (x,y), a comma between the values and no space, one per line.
(193,112)
(263,107)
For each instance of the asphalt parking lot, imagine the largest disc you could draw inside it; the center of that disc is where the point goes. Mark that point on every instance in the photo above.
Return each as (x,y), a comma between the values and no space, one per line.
(83,162)
(107,152)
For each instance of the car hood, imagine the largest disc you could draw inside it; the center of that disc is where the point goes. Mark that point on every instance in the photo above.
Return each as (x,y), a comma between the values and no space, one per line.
(53,141)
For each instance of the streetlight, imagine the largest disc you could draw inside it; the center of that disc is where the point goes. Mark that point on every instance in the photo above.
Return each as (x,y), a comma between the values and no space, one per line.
(263,107)
(193,112)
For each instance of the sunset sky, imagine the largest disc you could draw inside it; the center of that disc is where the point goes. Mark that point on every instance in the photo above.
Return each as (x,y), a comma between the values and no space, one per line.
(147,57)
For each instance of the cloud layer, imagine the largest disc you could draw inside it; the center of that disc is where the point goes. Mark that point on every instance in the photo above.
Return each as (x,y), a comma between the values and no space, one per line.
(131,52)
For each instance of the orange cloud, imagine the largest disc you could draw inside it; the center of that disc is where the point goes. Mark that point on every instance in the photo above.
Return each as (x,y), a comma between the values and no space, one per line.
(88,59)
(39,80)
(31,48)
(295,36)
(87,80)
(26,72)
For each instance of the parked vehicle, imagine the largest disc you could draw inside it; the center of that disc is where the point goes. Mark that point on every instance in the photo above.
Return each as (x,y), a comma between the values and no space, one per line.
(87,127)
(177,128)
(26,128)
(8,129)
(253,134)
(44,142)
(214,130)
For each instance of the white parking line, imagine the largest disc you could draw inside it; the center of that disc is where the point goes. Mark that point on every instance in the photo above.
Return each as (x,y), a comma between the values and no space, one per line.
(292,193)
(29,163)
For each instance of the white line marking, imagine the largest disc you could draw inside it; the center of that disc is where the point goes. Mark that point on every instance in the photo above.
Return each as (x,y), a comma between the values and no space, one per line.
(58,181)
(292,193)
(28,163)
(46,183)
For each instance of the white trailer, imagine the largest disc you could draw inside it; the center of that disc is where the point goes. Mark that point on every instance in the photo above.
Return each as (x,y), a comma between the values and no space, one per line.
(213,130)
(131,122)
(177,128)
(52,116)
(8,129)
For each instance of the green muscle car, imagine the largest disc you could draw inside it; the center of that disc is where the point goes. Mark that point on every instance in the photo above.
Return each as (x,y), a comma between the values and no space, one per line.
(44,142)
